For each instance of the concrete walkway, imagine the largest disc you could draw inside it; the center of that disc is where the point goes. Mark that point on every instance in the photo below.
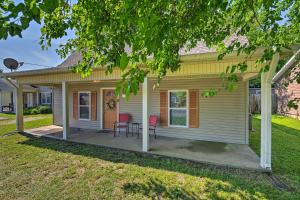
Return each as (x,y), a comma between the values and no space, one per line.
(28,119)
(234,155)
(3,118)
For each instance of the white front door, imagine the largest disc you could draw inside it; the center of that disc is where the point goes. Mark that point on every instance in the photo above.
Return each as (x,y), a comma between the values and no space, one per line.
(29,100)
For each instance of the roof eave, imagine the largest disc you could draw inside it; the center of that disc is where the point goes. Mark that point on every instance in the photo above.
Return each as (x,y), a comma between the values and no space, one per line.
(183,58)
(288,65)
(35,72)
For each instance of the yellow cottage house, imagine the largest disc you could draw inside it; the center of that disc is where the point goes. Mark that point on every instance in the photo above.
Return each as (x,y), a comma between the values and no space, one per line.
(212,130)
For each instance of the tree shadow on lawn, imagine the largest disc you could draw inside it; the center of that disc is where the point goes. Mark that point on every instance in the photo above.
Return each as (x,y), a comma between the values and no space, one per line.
(244,183)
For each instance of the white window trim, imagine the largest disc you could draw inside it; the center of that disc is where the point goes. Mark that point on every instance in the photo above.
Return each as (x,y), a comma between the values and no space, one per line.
(187,109)
(46,97)
(84,92)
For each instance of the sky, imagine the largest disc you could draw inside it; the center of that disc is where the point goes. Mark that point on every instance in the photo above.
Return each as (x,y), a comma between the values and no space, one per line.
(28,50)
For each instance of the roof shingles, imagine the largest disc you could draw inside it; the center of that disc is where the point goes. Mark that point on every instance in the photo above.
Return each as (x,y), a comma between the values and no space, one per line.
(200,48)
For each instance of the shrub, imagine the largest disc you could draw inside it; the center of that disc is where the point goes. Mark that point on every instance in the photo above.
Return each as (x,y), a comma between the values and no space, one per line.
(34,111)
(37,110)
(27,111)
(44,110)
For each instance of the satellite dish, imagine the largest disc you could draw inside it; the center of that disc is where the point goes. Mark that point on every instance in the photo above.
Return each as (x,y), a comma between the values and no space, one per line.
(11,63)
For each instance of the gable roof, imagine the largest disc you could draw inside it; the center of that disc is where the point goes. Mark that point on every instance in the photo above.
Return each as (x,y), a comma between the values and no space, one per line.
(72,60)
(200,48)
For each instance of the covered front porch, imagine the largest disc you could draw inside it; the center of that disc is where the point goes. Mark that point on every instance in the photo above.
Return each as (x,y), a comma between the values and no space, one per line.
(224,154)
(222,119)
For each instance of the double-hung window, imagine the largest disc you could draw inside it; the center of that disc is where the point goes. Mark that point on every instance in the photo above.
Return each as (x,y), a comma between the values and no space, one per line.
(178,109)
(84,105)
(45,98)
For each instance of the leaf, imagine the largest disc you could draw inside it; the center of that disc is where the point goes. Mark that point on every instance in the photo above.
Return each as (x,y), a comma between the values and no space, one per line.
(124,61)
(293,104)
(49,5)
(25,22)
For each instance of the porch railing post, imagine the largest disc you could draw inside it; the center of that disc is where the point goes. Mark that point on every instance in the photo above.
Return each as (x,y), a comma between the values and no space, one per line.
(145,116)
(65,110)
(19,109)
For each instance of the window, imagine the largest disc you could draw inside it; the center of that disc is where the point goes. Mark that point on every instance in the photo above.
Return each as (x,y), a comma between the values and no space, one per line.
(84,105)
(45,98)
(178,108)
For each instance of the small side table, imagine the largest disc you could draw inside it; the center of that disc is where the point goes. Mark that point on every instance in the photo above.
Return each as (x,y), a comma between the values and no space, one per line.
(136,126)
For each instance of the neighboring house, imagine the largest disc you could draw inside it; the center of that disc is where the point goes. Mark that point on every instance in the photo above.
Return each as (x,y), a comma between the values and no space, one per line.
(32,96)
(286,94)
(183,111)
(6,95)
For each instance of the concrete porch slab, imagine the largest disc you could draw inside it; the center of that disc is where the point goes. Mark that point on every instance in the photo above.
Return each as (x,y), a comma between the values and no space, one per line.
(233,155)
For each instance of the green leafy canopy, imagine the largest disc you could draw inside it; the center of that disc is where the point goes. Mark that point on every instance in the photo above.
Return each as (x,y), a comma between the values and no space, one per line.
(104,29)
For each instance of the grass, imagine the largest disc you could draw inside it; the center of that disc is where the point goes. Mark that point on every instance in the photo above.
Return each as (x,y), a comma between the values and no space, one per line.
(285,146)
(10,117)
(40,168)
(5,128)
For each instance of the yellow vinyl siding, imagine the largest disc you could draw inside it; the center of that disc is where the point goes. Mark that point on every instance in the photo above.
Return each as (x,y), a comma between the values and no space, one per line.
(200,68)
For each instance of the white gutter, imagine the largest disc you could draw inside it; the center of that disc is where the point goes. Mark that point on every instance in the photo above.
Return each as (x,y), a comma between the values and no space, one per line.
(290,63)
(35,72)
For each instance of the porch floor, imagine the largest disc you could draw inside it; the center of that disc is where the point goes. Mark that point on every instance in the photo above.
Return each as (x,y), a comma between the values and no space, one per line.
(234,155)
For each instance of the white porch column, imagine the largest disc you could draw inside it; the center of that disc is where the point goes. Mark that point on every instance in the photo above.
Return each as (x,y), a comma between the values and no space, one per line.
(266,123)
(145,116)
(37,98)
(19,109)
(266,114)
(65,111)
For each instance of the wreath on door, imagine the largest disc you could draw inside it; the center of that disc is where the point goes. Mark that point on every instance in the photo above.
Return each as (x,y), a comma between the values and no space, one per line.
(111,104)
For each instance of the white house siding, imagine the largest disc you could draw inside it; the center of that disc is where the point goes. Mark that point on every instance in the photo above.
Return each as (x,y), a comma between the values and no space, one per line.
(222,118)
(133,106)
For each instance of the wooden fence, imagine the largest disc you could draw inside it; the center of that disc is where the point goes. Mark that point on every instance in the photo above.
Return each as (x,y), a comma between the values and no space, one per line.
(255,104)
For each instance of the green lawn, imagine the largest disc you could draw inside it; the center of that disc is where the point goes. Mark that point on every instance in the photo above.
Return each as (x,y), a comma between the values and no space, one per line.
(10,117)
(40,168)
(285,147)
(47,119)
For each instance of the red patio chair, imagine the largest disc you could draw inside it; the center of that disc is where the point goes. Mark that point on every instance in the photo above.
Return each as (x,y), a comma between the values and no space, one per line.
(123,122)
(153,120)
